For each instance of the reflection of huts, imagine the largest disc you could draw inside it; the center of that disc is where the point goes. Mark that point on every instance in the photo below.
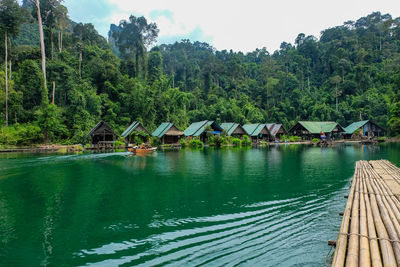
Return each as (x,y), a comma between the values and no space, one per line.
(313,129)
(257,132)
(276,130)
(102,134)
(233,129)
(168,133)
(364,128)
(199,129)
(135,129)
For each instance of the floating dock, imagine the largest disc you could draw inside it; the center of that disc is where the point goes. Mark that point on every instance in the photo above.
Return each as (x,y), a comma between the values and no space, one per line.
(370,231)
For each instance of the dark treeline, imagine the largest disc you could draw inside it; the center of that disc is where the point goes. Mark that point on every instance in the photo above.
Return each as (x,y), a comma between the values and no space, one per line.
(353,70)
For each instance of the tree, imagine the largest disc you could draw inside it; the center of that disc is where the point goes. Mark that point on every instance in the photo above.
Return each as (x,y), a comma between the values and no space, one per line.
(133,37)
(154,66)
(42,48)
(336,80)
(10,21)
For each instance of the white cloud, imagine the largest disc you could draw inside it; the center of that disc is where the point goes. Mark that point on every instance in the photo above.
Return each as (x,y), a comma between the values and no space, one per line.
(247,25)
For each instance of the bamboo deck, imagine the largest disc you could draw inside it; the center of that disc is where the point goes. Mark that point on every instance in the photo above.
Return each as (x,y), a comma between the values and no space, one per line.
(370,230)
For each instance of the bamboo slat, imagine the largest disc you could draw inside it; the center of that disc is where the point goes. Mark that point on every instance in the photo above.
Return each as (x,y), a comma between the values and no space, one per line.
(370,230)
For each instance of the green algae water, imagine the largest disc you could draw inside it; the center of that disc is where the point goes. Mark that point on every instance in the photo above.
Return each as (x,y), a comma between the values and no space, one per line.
(274,206)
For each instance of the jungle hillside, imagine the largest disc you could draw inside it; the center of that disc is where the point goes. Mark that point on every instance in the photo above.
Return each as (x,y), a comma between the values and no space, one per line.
(59,77)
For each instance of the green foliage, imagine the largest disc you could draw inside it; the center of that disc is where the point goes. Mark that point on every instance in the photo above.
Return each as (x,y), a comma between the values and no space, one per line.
(245,141)
(11,17)
(51,122)
(20,134)
(183,142)
(219,140)
(315,140)
(119,144)
(195,143)
(354,65)
(155,141)
(236,141)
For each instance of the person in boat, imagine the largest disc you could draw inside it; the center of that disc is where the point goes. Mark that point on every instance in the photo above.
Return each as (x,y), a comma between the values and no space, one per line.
(323,136)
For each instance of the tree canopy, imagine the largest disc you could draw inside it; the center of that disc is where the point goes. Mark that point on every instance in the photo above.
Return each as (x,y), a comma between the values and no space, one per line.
(350,70)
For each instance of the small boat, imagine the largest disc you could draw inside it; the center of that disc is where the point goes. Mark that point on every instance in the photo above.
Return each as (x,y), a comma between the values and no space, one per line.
(136,149)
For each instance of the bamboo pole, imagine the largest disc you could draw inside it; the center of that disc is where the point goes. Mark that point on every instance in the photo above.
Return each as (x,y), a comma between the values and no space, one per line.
(376,259)
(353,249)
(386,247)
(341,245)
(365,258)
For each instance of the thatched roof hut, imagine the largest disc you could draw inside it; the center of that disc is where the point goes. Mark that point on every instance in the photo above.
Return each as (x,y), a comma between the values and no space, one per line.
(168,133)
(367,127)
(257,132)
(233,129)
(312,129)
(102,133)
(135,129)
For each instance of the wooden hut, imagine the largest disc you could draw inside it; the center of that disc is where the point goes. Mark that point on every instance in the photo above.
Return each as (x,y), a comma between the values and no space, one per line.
(276,130)
(233,129)
(363,129)
(135,129)
(102,135)
(312,129)
(168,133)
(257,132)
(198,129)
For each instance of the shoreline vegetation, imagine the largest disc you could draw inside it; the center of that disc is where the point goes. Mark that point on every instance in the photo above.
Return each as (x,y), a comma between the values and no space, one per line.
(55,148)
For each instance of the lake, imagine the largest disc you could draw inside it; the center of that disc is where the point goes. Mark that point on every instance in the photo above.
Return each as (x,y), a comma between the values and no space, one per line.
(274,206)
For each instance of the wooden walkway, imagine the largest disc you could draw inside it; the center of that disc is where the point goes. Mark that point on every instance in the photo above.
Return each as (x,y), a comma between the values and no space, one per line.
(370,230)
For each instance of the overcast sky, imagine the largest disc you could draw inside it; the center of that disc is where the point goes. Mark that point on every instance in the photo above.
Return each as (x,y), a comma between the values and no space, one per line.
(230,24)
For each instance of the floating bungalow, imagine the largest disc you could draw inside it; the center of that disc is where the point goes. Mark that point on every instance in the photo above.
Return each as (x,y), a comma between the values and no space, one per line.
(135,129)
(363,129)
(233,129)
(257,132)
(312,129)
(168,133)
(276,130)
(102,135)
(198,129)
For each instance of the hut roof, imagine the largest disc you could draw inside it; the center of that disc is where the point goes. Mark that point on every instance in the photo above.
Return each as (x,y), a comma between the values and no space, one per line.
(255,129)
(230,127)
(357,125)
(164,128)
(132,127)
(197,128)
(99,126)
(274,128)
(316,127)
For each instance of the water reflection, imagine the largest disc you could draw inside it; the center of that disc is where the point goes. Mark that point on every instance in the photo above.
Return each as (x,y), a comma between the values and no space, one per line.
(264,206)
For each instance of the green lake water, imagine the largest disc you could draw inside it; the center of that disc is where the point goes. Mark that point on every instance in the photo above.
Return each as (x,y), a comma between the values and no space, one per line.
(275,206)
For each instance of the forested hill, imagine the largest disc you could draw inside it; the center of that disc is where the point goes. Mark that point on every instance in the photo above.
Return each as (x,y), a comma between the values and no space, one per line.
(353,70)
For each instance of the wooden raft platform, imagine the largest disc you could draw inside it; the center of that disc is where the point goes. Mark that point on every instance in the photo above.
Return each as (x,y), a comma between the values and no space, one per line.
(370,230)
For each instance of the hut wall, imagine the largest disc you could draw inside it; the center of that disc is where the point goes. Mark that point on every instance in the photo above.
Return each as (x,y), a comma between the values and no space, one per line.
(170,139)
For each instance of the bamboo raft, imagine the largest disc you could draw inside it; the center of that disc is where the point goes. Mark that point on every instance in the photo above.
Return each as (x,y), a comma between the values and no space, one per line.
(370,231)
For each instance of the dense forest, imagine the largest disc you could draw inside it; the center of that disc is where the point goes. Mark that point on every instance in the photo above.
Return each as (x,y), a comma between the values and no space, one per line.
(351,71)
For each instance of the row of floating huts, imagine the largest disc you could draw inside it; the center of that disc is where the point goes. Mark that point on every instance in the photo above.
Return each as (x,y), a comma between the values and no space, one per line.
(169,133)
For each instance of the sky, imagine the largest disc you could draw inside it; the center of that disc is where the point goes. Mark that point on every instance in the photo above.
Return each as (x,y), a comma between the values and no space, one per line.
(240,25)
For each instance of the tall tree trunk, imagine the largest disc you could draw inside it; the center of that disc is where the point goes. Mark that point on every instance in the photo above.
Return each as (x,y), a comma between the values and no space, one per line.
(336,94)
(6,76)
(61,42)
(54,90)
(45,98)
(80,64)
(9,45)
(52,44)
